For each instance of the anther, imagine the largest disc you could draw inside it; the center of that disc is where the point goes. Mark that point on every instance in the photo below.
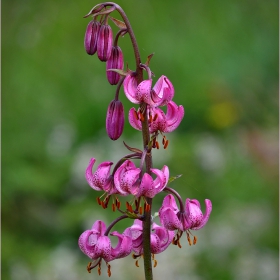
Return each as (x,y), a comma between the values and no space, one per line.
(150,118)
(157,144)
(109,270)
(127,205)
(194,240)
(136,263)
(140,210)
(179,245)
(166,144)
(141,117)
(89,267)
(163,141)
(103,205)
(130,208)
(189,240)
(113,207)
(118,203)
(136,115)
(155,263)
(99,269)
(155,117)
(147,207)
(98,200)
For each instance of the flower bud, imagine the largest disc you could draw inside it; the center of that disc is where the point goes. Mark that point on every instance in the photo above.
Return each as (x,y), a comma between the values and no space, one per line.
(90,41)
(114,62)
(104,42)
(115,119)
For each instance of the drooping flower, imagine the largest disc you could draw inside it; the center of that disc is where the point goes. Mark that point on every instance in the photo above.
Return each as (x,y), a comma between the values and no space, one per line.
(114,62)
(127,180)
(104,42)
(95,244)
(160,95)
(90,41)
(125,177)
(149,187)
(115,119)
(101,179)
(158,120)
(160,238)
(189,218)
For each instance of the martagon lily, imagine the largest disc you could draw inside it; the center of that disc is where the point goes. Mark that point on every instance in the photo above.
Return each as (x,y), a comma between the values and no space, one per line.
(158,120)
(160,95)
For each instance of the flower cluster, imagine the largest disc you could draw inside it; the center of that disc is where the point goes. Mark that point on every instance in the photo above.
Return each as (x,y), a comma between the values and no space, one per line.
(127,178)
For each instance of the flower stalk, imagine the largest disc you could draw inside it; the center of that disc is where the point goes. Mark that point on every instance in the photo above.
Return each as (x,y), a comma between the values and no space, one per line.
(145,238)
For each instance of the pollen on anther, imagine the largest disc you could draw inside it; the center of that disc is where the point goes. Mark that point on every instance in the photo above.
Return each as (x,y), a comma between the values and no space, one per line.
(98,200)
(155,263)
(136,115)
(157,144)
(194,240)
(141,117)
(113,207)
(140,210)
(179,245)
(136,263)
(89,267)
(166,144)
(155,117)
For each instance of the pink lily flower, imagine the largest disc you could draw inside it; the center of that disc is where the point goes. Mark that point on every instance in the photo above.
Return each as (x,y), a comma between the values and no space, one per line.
(192,217)
(159,121)
(95,244)
(160,238)
(127,180)
(149,187)
(160,95)
(100,180)
(126,177)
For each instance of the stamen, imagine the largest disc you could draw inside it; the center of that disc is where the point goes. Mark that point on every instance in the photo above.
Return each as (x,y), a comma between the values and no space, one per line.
(147,207)
(130,208)
(113,207)
(155,117)
(154,143)
(163,141)
(89,267)
(118,203)
(109,270)
(141,117)
(103,205)
(99,269)
(166,144)
(150,118)
(136,263)
(98,200)
(155,263)
(157,144)
(135,114)
(127,205)
(179,245)
(140,210)
(194,240)
(189,240)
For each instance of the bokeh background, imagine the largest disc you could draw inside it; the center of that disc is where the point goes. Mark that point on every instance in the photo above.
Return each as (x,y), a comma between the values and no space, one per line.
(222,58)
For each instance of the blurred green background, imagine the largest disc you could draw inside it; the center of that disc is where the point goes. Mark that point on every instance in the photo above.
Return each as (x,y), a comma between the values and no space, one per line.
(222,58)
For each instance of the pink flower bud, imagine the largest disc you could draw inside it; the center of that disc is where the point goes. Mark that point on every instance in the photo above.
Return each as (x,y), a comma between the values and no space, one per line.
(115,119)
(114,62)
(104,42)
(90,41)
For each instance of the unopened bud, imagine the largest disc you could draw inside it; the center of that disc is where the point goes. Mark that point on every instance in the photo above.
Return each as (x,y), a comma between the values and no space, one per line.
(90,41)
(104,42)
(115,119)
(114,62)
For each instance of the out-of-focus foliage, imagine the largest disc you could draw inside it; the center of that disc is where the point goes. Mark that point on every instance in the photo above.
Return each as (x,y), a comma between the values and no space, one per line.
(222,58)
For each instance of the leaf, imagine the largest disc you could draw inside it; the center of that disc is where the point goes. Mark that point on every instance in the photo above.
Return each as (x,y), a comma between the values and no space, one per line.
(119,71)
(171,179)
(118,23)
(135,150)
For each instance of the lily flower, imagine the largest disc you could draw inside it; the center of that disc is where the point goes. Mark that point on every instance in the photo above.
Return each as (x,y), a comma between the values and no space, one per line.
(94,244)
(160,95)
(160,238)
(127,180)
(97,246)
(101,180)
(184,219)
(158,120)
(149,187)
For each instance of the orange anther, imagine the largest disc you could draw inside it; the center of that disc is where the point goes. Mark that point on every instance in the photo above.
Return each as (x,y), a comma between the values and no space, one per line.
(141,117)
(179,245)
(155,263)
(136,263)
(135,114)
(157,144)
(98,200)
(194,240)
(140,210)
(155,117)
(89,267)
(166,144)
(113,207)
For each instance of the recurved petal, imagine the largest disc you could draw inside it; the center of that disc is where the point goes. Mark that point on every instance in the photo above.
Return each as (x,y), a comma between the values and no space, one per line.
(124,246)
(206,215)
(163,92)
(174,116)
(146,187)
(170,202)
(99,226)
(86,247)
(100,176)
(130,88)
